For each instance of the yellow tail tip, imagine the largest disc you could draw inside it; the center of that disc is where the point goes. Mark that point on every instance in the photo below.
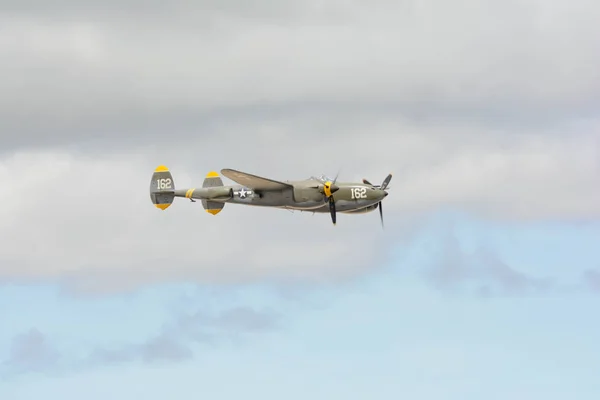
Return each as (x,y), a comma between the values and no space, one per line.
(213,211)
(212,174)
(162,206)
(161,168)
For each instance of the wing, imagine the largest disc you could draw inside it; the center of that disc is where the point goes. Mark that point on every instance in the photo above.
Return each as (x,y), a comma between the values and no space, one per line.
(254,182)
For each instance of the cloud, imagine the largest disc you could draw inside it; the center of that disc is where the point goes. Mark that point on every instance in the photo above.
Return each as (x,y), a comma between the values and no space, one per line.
(484,273)
(467,110)
(30,352)
(264,8)
(93,226)
(176,342)
(111,69)
(592,279)
(482,268)
(86,219)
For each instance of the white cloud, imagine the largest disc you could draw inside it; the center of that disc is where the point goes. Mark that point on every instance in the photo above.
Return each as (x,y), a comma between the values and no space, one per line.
(89,219)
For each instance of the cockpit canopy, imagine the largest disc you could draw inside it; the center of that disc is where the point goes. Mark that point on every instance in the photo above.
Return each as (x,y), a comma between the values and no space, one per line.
(322,178)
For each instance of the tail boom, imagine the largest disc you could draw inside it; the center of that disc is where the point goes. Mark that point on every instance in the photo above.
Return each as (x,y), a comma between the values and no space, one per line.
(213,193)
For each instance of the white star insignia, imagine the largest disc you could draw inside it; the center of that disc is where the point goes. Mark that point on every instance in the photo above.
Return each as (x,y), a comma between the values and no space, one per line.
(243,193)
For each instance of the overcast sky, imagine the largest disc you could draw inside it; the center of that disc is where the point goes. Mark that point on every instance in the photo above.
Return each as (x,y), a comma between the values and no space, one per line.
(485,112)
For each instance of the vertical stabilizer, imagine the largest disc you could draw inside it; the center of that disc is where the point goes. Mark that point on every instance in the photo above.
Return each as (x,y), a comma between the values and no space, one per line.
(212,180)
(162,188)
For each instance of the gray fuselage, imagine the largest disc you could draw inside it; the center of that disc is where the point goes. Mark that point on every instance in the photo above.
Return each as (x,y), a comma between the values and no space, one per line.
(304,197)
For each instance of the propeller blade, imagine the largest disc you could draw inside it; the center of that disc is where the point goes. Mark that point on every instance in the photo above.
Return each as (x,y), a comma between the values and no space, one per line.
(366,182)
(381,212)
(336,177)
(386,182)
(332,210)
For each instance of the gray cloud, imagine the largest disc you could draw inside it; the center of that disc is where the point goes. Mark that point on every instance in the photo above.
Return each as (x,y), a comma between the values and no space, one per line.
(481,107)
(455,268)
(259,8)
(592,279)
(87,219)
(186,66)
(176,342)
(483,273)
(31,352)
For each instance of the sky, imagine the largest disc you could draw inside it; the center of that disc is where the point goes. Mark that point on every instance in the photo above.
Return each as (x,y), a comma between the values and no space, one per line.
(484,283)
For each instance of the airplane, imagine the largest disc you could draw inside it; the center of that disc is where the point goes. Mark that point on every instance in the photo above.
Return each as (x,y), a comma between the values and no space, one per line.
(315,194)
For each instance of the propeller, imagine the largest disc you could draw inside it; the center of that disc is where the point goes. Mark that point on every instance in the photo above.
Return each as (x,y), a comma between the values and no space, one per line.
(329,188)
(383,186)
(386,182)
(332,209)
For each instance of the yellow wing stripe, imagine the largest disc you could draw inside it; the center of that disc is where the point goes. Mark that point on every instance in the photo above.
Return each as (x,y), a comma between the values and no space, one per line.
(188,194)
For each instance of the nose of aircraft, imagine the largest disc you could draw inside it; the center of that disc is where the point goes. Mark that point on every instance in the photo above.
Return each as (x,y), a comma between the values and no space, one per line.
(379,194)
(334,188)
